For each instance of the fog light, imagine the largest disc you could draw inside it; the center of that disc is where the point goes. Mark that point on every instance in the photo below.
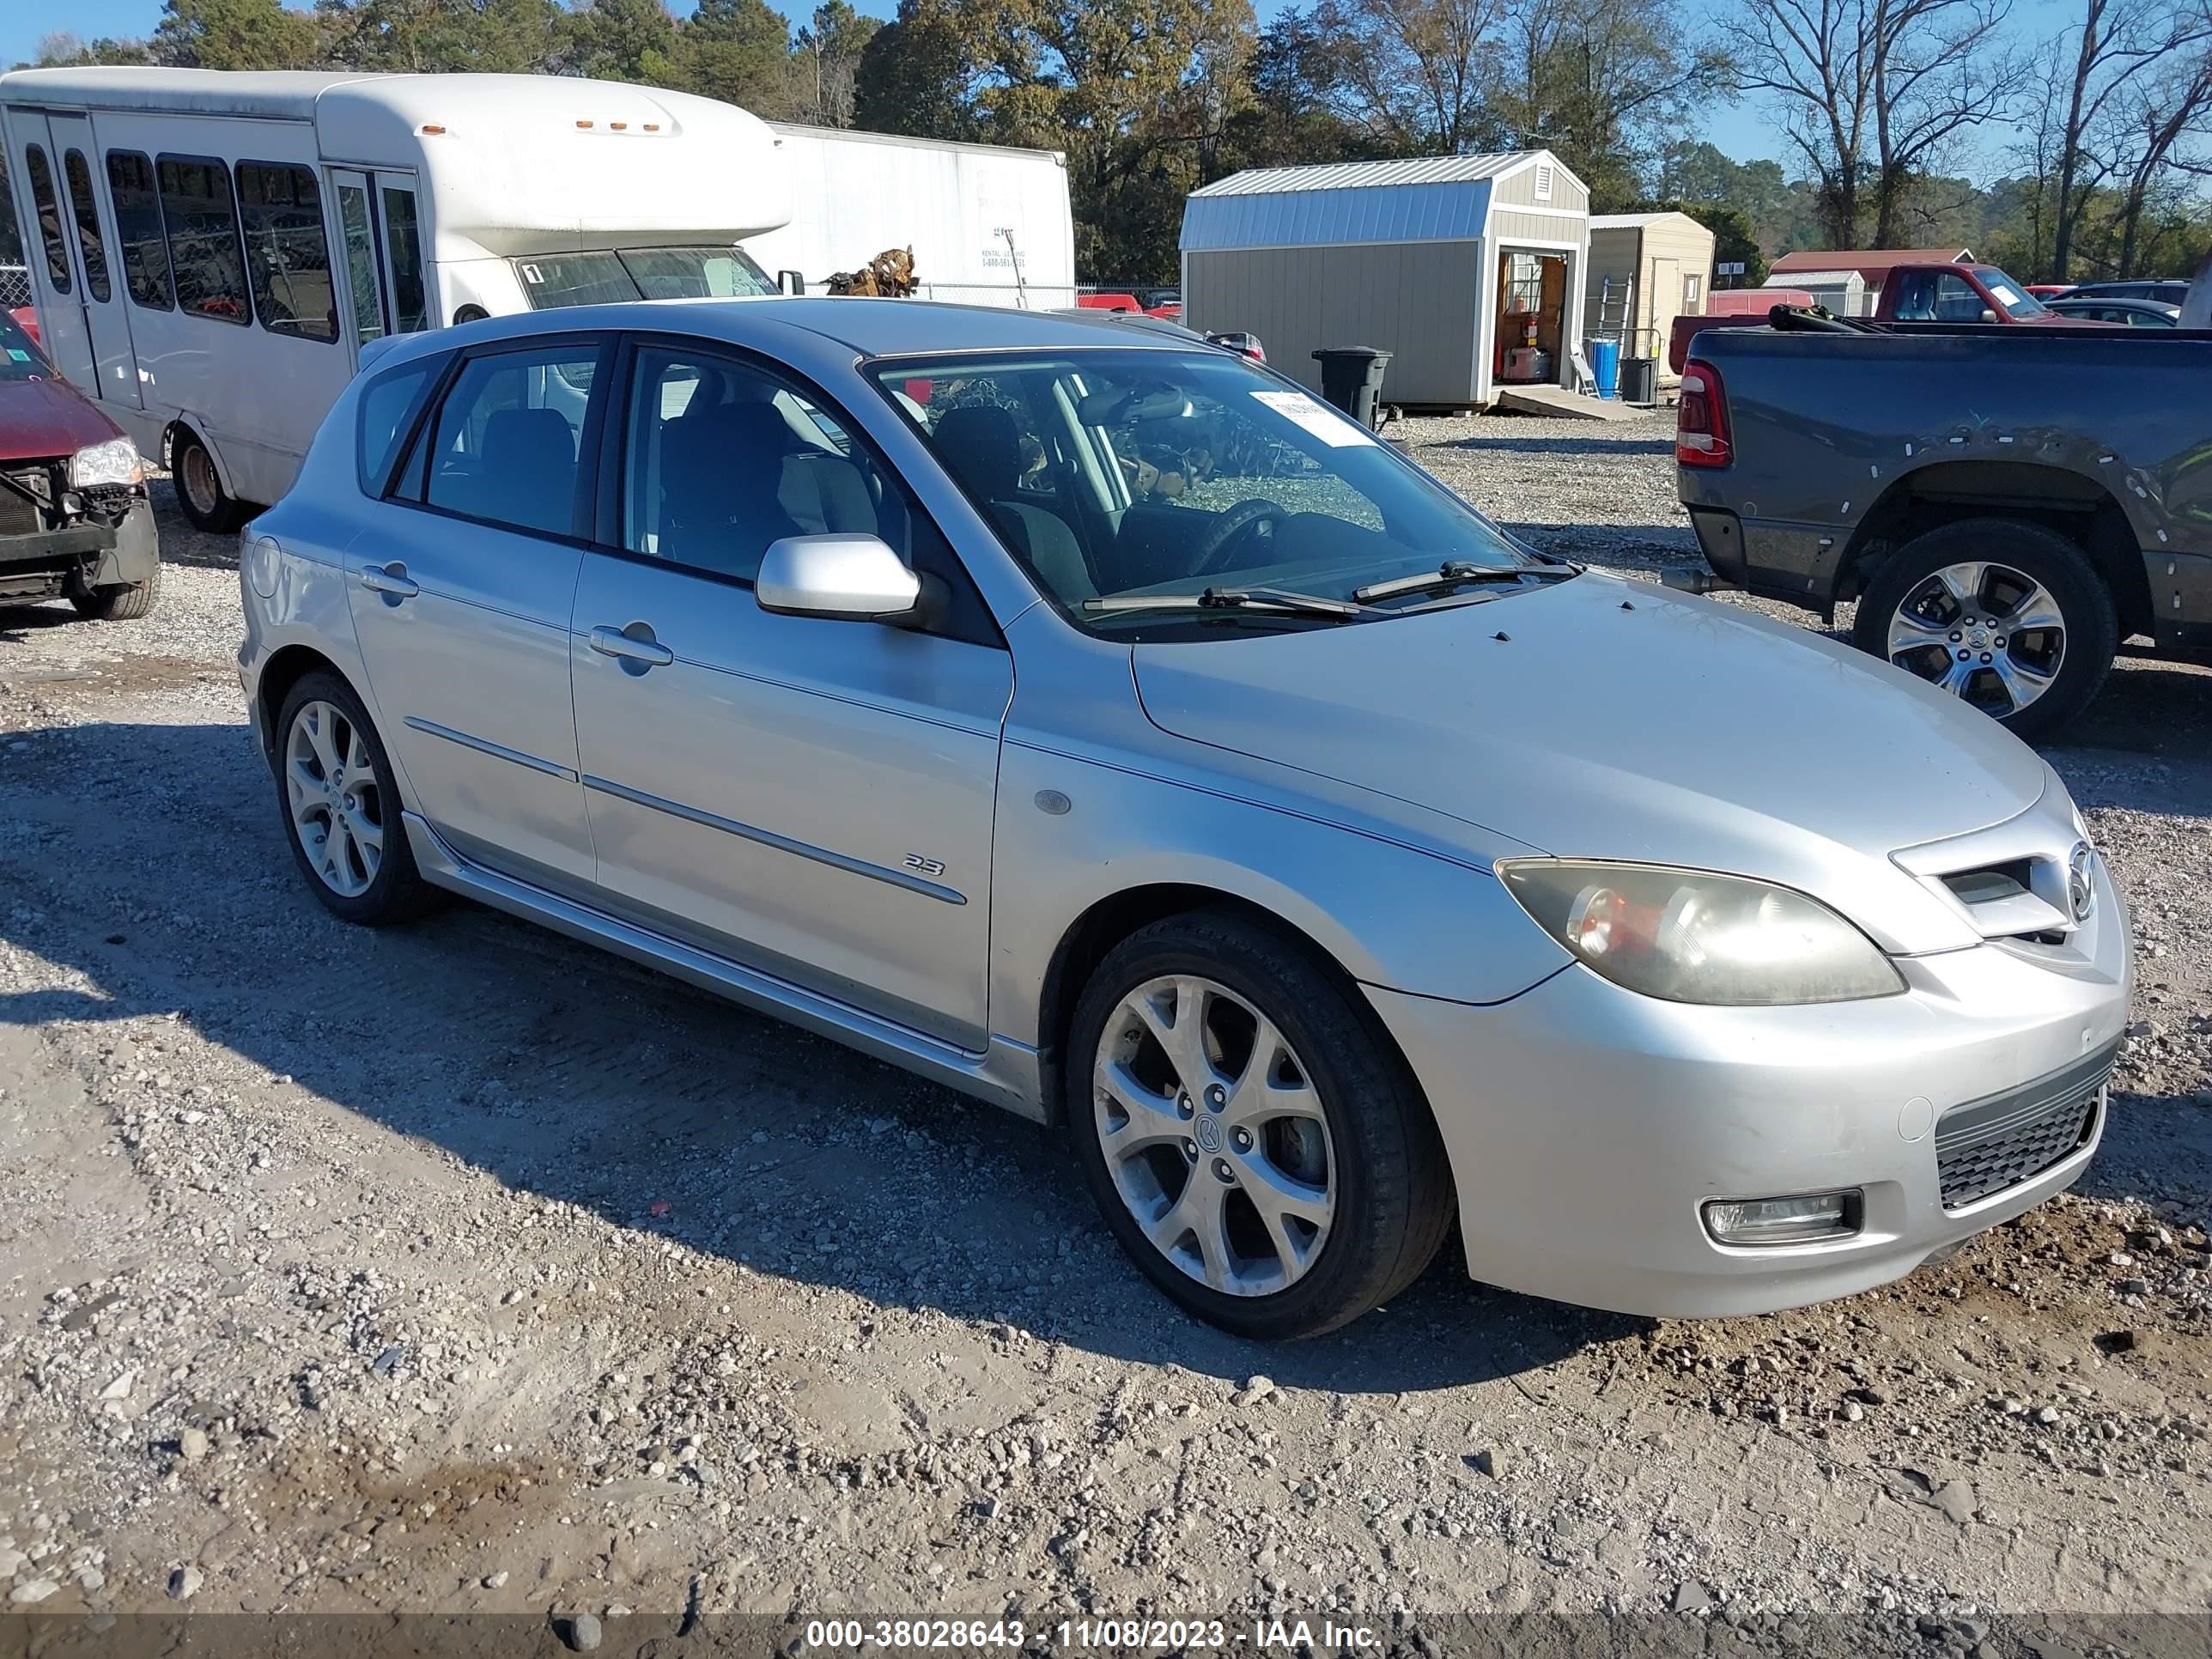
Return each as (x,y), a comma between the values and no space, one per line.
(1799,1220)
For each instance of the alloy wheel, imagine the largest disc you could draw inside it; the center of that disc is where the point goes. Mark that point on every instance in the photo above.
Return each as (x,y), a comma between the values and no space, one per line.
(1988,634)
(1214,1135)
(336,806)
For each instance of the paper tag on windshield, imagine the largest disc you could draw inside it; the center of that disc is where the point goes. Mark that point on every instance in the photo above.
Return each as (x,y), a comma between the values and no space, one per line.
(2005,294)
(18,355)
(1324,422)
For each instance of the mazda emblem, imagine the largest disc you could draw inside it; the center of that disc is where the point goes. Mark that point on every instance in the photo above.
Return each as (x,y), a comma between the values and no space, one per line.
(2080,883)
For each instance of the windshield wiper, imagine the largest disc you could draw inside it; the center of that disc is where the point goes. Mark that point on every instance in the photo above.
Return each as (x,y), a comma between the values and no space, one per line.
(1233,599)
(1458,573)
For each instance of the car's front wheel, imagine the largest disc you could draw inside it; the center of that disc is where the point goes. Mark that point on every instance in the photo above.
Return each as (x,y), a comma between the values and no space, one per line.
(119,601)
(1255,1143)
(341,807)
(2007,616)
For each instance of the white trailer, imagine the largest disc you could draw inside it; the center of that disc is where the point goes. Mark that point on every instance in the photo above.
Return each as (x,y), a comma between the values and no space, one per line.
(988,225)
(208,253)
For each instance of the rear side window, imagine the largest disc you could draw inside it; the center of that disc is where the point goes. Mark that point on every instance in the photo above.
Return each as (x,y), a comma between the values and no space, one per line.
(202,219)
(86,211)
(138,228)
(46,209)
(504,449)
(383,417)
(287,255)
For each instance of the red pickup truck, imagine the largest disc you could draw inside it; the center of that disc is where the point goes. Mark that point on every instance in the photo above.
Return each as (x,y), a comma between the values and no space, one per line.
(1917,293)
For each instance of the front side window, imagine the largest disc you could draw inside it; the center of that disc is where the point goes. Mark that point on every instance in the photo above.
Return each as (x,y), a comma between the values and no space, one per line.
(505,445)
(46,209)
(201,218)
(604,276)
(288,256)
(85,210)
(138,228)
(721,459)
(1160,492)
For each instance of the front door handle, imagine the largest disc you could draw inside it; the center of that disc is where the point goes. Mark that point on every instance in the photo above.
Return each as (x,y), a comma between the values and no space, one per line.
(632,645)
(391,579)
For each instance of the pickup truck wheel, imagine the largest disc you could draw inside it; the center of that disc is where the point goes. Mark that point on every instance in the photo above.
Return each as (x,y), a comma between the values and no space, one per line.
(200,493)
(341,808)
(1259,1149)
(2008,617)
(119,601)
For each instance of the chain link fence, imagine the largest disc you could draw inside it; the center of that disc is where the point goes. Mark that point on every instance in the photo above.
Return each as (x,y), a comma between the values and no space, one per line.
(14,287)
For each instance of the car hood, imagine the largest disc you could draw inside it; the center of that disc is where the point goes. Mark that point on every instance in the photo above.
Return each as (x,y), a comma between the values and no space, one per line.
(43,418)
(1606,719)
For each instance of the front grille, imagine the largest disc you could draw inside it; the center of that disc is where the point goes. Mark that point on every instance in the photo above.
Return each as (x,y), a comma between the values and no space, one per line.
(23,486)
(1987,1145)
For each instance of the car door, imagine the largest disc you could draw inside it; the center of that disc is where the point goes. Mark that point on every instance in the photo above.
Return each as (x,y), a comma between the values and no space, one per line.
(461,588)
(811,798)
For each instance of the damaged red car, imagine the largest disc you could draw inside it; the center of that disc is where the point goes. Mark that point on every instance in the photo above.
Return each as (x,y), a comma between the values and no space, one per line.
(75,519)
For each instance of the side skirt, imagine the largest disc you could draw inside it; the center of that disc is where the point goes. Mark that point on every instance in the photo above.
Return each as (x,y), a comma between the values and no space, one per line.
(1007,1075)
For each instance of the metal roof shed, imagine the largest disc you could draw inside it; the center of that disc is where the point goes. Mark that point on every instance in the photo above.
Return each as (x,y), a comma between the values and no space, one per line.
(1415,256)
(1645,270)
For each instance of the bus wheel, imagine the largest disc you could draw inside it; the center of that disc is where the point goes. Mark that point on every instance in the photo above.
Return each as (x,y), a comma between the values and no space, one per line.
(199,486)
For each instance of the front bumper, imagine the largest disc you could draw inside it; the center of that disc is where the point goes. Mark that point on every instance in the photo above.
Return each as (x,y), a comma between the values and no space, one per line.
(1587,1126)
(99,555)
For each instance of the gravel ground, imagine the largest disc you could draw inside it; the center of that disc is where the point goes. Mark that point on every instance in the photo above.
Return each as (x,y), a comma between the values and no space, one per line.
(461,1270)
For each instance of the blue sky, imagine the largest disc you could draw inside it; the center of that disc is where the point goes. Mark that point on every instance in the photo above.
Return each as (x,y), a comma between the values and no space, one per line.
(1742,130)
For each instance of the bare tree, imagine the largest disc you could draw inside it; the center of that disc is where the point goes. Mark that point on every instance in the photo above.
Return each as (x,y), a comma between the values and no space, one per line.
(1413,70)
(2169,112)
(1934,73)
(1811,57)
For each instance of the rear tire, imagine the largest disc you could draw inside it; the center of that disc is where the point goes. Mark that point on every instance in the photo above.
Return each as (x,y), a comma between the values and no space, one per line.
(119,601)
(200,493)
(1319,1188)
(1942,607)
(340,803)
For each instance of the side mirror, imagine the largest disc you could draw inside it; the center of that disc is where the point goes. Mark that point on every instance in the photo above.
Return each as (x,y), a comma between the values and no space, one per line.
(842,578)
(1988,316)
(790,282)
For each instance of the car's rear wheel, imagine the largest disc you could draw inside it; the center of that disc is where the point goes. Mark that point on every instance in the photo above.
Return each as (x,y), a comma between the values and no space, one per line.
(1255,1143)
(200,493)
(341,807)
(2007,616)
(117,601)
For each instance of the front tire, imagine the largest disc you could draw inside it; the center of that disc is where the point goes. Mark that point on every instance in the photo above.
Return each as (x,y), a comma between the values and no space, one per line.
(119,601)
(2007,617)
(1255,1143)
(340,804)
(200,493)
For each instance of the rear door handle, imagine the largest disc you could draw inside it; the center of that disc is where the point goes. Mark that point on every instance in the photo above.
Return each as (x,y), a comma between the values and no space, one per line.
(389,579)
(640,647)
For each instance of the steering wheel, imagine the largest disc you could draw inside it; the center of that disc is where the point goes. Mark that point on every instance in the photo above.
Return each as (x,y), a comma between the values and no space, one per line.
(1230,525)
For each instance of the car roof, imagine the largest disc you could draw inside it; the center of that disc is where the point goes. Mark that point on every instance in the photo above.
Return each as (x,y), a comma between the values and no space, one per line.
(871,328)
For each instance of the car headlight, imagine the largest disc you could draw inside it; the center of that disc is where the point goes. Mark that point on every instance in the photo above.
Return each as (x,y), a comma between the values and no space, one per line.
(115,462)
(1689,936)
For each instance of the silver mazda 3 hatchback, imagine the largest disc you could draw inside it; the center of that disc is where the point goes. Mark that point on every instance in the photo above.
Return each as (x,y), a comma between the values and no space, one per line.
(1095,722)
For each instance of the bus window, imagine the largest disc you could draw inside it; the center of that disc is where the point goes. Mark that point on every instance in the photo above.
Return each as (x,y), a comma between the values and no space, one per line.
(360,239)
(287,255)
(402,247)
(138,228)
(86,211)
(202,218)
(48,212)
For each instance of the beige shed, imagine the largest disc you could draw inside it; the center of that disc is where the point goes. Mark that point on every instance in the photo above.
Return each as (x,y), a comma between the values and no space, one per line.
(1645,270)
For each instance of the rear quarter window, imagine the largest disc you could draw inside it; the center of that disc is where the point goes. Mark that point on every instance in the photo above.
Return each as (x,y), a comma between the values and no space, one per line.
(383,417)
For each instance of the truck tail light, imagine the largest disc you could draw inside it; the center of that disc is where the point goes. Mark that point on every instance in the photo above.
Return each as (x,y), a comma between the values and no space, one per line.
(1701,422)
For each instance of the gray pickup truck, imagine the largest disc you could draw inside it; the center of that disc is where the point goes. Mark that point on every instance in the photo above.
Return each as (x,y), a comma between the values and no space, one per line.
(2007,505)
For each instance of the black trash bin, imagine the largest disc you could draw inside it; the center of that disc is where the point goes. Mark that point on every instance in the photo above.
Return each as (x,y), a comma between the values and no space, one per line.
(1352,379)
(1639,380)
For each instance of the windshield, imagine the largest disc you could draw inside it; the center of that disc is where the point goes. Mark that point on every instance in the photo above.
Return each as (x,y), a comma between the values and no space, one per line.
(19,359)
(2019,304)
(600,276)
(1139,487)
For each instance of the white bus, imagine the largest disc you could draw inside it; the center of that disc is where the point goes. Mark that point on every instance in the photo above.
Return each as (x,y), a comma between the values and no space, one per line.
(208,253)
(989,225)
